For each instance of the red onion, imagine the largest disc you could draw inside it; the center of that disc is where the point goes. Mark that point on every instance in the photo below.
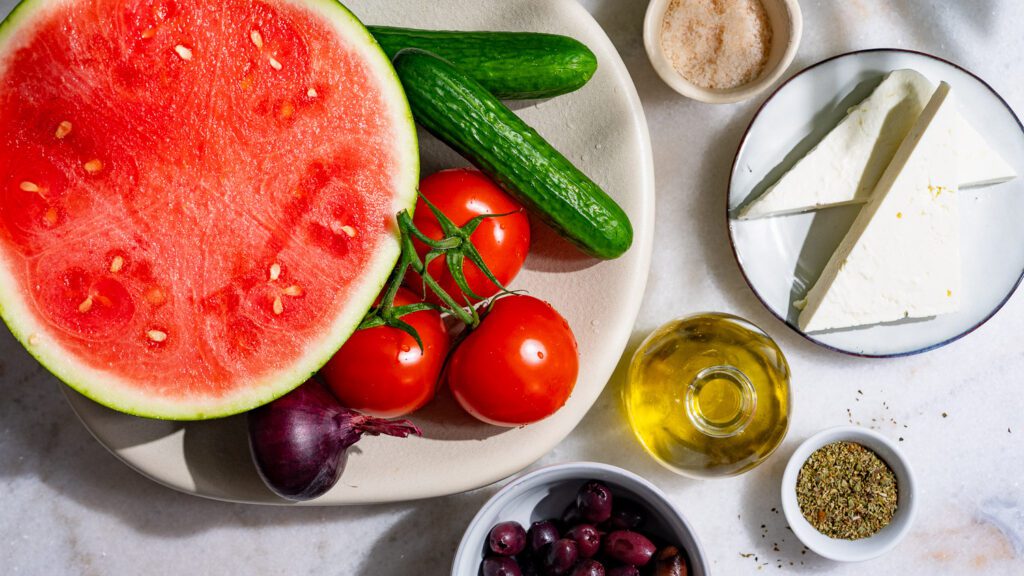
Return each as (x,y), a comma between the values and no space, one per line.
(300,441)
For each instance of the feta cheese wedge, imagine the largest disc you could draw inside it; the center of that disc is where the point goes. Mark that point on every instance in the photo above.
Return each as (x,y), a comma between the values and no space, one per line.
(979,164)
(846,165)
(901,257)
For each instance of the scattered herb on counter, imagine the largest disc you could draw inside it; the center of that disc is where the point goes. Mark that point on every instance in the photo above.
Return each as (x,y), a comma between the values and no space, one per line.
(846,491)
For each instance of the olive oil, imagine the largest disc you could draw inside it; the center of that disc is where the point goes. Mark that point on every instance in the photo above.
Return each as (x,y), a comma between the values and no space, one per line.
(708,395)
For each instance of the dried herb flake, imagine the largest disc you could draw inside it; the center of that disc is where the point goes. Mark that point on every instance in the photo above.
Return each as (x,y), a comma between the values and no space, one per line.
(846,491)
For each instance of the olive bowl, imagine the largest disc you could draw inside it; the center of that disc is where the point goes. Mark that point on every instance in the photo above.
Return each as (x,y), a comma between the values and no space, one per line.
(544,494)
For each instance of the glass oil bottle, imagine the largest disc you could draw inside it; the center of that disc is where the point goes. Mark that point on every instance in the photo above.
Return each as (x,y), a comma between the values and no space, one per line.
(708,396)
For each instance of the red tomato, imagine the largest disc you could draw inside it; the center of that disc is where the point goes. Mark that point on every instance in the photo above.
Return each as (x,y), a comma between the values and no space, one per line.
(461,195)
(383,372)
(519,366)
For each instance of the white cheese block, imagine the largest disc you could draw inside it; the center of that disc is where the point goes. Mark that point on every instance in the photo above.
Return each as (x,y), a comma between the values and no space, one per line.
(901,257)
(978,163)
(846,165)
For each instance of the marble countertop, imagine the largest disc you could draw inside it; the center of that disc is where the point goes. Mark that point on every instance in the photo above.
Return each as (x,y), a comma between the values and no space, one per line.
(69,507)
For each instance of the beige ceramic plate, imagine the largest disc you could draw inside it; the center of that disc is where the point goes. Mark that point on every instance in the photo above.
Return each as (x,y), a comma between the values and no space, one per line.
(602,129)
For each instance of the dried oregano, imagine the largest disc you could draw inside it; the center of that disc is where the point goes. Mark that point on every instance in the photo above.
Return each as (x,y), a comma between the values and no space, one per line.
(846,491)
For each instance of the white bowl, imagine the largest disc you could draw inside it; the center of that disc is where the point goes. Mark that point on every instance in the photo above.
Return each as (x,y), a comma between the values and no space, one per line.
(852,550)
(786,22)
(546,492)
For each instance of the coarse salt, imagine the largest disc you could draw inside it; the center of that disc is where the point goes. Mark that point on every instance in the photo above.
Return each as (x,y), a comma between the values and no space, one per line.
(717,44)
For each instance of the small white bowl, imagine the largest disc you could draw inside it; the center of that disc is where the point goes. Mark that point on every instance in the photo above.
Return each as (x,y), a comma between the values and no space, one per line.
(786,22)
(852,550)
(546,492)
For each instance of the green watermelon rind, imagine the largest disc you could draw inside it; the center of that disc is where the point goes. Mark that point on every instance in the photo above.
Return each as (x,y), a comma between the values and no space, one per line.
(104,387)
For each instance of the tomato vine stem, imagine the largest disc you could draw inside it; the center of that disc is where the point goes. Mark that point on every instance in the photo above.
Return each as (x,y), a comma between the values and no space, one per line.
(455,247)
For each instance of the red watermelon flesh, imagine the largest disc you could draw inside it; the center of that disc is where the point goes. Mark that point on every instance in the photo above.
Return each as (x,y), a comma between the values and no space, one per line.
(197,200)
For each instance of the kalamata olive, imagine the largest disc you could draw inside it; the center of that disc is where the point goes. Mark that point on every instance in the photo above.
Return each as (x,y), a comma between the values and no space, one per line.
(670,562)
(595,502)
(588,567)
(542,533)
(500,566)
(559,557)
(507,539)
(623,571)
(628,547)
(626,515)
(528,567)
(587,537)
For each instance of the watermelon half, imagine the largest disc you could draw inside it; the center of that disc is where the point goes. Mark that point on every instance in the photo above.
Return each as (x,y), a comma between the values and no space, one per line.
(197,200)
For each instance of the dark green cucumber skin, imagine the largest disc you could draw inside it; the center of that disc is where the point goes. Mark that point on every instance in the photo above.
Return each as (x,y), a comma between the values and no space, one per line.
(511,65)
(463,114)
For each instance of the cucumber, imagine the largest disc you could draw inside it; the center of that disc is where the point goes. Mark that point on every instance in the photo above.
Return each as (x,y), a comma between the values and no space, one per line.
(463,114)
(511,65)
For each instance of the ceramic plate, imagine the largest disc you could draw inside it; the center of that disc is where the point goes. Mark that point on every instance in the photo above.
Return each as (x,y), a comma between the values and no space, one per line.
(782,257)
(602,129)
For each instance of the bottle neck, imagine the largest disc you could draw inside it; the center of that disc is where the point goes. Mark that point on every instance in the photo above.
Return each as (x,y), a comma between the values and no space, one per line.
(720,401)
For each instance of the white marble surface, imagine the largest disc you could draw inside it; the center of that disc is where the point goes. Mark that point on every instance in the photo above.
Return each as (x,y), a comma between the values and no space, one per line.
(68,507)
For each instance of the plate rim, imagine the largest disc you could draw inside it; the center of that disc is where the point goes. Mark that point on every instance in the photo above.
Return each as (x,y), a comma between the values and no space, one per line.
(729,220)
(643,244)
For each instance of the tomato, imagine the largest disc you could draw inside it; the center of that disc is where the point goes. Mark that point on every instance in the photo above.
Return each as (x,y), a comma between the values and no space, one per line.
(519,366)
(383,372)
(503,242)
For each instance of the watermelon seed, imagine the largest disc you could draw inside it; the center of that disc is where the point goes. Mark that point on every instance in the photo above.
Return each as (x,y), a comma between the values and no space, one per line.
(275,271)
(29,186)
(148,33)
(257,38)
(311,93)
(155,296)
(286,110)
(86,305)
(293,291)
(33,339)
(63,129)
(93,166)
(278,305)
(339,229)
(116,264)
(157,335)
(183,52)
(50,218)
(274,63)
